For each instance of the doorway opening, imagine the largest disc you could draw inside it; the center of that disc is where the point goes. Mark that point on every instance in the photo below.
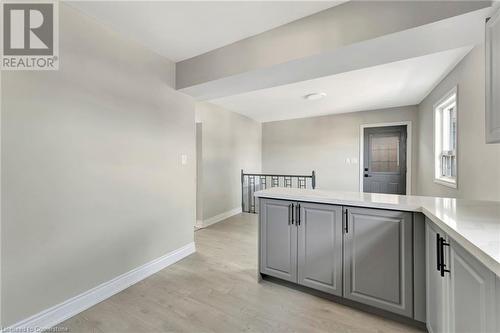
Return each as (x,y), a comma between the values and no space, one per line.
(385,158)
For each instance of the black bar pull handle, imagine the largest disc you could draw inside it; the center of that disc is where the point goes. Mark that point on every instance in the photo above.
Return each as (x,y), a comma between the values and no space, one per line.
(438,255)
(346,221)
(297,216)
(443,265)
(293,217)
(290,221)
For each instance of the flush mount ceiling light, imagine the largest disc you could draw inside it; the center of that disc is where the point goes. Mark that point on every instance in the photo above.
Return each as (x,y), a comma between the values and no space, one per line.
(315,96)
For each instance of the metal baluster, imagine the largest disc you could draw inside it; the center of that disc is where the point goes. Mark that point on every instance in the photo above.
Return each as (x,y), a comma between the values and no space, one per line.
(253,197)
(275,181)
(242,191)
(251,188)
(249,210)
(263,184)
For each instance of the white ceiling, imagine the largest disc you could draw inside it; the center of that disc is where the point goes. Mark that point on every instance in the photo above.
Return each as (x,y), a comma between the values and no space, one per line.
(183,29)
(395,84)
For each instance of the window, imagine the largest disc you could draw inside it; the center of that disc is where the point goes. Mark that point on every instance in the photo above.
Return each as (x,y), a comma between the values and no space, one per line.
(445,140)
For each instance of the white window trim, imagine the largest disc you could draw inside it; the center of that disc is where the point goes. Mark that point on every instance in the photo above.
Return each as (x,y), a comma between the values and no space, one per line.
(445,181)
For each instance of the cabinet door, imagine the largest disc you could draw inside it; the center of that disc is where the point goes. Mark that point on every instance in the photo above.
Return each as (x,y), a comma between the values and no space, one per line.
(493,79)
(436,292)
(378,259)
(472,293)
(278,240)
(320,247)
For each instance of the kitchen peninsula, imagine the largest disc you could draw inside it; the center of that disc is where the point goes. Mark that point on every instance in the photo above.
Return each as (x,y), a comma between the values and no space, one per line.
(433,260)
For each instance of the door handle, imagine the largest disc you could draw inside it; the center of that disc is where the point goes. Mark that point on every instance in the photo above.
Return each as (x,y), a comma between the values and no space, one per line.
(290,217)
(297,215)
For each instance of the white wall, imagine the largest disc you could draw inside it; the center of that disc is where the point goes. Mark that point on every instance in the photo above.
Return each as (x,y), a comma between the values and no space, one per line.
(92,184)
(323,144)
(348,23)
(478,163)
(230,142)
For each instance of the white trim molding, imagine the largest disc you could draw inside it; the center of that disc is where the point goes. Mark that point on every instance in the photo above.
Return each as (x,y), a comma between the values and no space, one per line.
(217,218)
(71,307)
(453,183)
(409,146)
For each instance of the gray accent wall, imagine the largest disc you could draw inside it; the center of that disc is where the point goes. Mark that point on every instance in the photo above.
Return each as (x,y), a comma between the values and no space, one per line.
(478,162)
(324,143)
(92,181)
(229,142)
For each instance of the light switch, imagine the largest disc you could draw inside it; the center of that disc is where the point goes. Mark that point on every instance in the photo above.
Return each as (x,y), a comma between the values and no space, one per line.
(184,159)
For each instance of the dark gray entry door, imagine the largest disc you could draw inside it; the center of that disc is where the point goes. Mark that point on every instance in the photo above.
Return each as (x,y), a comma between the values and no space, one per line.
(385,160)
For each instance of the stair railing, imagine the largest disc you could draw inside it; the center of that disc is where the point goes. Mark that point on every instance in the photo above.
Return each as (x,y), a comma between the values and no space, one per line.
(251,182)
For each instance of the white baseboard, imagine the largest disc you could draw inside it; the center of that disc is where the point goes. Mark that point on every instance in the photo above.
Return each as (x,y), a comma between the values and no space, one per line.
(67,309)
(217,218)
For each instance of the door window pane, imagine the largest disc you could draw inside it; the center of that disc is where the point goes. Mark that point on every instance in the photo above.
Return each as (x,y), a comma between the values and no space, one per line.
(384,153)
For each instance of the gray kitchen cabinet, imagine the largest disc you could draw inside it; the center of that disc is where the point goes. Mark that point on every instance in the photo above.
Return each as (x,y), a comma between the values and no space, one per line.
(320,247)
(460,290)
(378,258)
(471,293)
(492,66)
(419,267)
(497,302)
(436,291)
(278,239)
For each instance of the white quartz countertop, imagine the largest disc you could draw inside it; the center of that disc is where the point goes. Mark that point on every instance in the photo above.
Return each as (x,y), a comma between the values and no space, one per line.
(475,225)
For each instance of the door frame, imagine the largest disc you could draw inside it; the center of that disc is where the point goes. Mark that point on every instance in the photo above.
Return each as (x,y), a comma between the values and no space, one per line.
(409,144)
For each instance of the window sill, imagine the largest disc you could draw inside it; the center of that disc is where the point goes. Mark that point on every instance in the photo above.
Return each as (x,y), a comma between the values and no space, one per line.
(444,182)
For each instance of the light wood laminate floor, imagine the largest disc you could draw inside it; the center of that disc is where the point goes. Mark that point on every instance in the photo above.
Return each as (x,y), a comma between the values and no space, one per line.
(216,290)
